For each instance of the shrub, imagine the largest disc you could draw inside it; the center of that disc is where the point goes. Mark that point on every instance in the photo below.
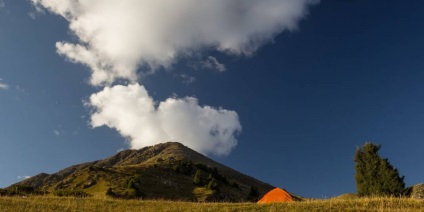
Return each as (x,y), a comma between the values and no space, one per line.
(131,184)
(73,193)
(235,185)
(197,180)
(110,192)
(213,185)
(20,190)
(253,194)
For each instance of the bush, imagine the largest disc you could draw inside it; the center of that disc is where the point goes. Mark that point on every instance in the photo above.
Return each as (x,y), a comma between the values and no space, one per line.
(213,185)
(73,193)
(131,184)
(253,194)
(235,185)
(197,180)
(20,190)
(202,166)
(110,192)
(183,167)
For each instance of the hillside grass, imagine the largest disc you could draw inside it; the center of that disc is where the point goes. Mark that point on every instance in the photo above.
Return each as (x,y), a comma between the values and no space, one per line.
(49,203)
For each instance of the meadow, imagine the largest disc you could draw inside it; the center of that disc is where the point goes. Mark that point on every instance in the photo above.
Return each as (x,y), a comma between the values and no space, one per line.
(50,203)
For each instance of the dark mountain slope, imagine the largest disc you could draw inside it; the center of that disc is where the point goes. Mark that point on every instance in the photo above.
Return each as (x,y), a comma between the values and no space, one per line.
(164,171)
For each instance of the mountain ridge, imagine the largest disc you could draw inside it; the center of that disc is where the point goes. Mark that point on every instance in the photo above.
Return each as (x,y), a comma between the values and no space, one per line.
(169,171)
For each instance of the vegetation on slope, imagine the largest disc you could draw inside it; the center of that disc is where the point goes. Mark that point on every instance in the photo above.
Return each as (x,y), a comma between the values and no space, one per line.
(165,171)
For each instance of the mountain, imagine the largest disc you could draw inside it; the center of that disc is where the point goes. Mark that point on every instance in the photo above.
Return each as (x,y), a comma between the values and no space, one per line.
(168,171)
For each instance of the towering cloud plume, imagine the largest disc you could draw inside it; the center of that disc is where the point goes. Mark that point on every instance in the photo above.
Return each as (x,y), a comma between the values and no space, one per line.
(131,111)
(117,37)
(121,39)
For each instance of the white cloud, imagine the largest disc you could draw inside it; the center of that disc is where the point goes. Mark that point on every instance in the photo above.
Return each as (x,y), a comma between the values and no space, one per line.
(2,84)
(23,177)
(186,78)
(213,63)
(118,37)
(56,132)
(133,113)
(2,4)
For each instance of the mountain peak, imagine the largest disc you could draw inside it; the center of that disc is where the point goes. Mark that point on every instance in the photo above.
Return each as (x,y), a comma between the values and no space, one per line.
(166,171)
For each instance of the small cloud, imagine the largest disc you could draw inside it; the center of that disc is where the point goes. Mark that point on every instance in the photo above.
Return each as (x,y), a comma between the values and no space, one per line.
(2,4)
(23,177)
(3,85)
(187,79)
(37,11)
(213,63)
(209,62)
(33,15)
(120,150)
(20,93)
(20,89)
(56,132)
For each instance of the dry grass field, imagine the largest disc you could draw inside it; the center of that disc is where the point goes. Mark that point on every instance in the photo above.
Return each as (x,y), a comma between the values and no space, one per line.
(48,203)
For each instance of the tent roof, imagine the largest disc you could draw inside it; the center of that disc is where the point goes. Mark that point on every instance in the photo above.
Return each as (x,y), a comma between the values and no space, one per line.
(276,195)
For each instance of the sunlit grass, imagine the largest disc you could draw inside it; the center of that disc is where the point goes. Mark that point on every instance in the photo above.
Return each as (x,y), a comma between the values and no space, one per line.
(49,203)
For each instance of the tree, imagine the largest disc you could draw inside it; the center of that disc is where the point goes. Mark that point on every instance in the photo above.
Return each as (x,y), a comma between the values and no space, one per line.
(374,174)
(213,185)
(235,185)
(131,184)
(253,194)
(197,180)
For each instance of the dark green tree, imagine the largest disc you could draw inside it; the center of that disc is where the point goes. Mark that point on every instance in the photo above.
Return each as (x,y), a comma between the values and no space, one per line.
(253,194)
(215,172)
(235,185)
(131,184)
(213,185)
(375,176)
(198,178)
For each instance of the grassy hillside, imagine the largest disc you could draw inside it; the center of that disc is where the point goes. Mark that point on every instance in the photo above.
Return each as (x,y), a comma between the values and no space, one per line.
(48,203)
(164,171)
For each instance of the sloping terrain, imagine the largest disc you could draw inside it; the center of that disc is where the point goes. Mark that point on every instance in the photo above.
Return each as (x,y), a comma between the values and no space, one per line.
(169,171)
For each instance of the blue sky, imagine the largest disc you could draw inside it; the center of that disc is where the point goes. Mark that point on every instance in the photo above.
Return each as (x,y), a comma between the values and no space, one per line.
(304,97)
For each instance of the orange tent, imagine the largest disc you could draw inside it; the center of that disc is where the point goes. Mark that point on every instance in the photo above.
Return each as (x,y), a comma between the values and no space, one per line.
(276,195)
